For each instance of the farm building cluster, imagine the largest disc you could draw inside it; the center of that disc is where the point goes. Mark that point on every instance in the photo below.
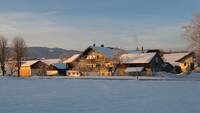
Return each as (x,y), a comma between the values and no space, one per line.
(108,61)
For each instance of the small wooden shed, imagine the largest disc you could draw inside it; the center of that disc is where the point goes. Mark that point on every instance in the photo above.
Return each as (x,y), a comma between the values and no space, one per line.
(34,67)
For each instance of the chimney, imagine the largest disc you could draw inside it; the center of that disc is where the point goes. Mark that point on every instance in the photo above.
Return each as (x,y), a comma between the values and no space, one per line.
(142,49)
(137,49)
(102,45)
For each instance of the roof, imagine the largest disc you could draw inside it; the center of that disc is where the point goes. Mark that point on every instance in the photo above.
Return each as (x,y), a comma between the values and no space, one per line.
(51,61)
(60,66)
(29,63)
(137,51)
(134,69)
(117,52)
(107,51)
(47,61)
(72,58)
(137,58)
(173,58)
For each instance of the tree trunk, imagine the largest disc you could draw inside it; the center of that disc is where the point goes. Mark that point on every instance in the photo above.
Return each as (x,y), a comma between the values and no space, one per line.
(18,71)
(3,70)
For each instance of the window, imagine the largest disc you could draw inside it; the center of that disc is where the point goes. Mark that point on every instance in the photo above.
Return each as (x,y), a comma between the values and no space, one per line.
(156,59)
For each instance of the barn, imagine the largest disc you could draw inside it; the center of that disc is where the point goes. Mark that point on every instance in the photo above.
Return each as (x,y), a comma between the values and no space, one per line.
(185,60)
(140,64)
(34,67)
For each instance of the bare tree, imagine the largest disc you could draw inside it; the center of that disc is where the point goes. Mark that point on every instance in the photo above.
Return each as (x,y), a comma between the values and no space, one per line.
(19,50)
(3,54)
(11,67)
(192,35)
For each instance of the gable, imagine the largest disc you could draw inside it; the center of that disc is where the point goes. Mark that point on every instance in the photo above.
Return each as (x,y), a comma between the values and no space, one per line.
(90,50)
(175,58)
(39,64)
(95,55)
(189,55)
(107,52)
(157,59)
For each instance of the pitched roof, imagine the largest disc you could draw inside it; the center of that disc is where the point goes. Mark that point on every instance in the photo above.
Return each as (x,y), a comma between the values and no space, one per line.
(107,51)
(72,58)
(137,58)
(137,51)
(29,63)
(60,66)
(47,61)
(173,58)
(51,61)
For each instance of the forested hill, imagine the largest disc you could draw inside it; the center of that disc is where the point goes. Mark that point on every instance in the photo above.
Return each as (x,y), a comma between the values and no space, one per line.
(45,52)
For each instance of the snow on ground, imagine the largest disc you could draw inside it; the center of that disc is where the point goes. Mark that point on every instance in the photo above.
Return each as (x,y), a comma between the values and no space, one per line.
(193,76)
(98,96)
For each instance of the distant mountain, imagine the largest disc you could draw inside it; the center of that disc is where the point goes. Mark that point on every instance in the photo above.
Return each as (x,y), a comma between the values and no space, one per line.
(45,52)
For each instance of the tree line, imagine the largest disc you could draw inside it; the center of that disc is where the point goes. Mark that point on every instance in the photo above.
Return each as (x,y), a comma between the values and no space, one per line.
(16,53)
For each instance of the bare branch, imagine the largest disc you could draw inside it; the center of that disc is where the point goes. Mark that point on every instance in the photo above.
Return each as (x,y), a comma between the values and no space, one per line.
(3,54)
(19,50)
(192,35)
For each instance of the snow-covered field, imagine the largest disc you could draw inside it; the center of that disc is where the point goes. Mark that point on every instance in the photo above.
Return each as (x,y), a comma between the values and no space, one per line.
(98,96)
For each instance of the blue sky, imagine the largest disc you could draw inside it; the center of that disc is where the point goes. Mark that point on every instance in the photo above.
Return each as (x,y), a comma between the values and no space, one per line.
(76,24)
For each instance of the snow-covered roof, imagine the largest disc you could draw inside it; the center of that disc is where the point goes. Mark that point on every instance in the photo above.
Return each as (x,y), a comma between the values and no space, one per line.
(134,69)
(51,61)
(107,51)
(29,63)
(172,58)
(60,66)
(72,58)
(136,51)
(47,61)
(137,58)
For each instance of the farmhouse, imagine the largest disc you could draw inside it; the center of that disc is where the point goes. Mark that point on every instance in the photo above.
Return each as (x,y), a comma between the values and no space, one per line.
(140,64)
(101,61)
(184,60)
(34,67)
